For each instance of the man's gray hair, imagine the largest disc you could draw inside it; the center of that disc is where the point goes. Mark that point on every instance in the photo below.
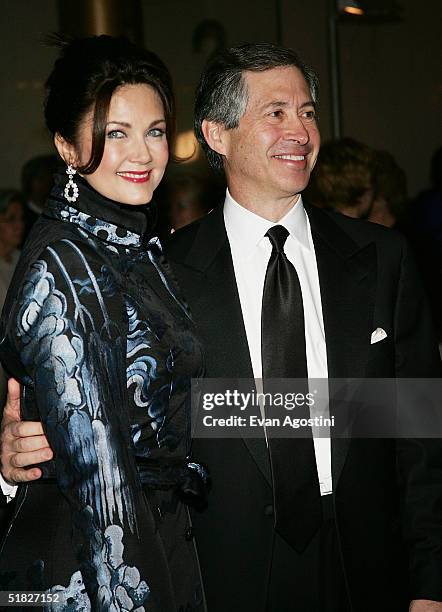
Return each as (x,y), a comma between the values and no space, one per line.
(222,95)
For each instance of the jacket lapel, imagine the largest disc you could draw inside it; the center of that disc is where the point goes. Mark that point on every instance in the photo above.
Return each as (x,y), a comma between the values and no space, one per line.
(347,278)
(208,280)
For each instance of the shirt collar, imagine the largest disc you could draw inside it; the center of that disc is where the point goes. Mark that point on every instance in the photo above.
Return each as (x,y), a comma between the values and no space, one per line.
(247,229)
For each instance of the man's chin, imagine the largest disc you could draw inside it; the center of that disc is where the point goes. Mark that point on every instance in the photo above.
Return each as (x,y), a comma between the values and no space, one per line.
(293,188)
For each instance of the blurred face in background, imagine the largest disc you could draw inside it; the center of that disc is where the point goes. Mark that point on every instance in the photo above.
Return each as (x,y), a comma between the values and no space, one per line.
(186,203)
(11,228)
(41,187)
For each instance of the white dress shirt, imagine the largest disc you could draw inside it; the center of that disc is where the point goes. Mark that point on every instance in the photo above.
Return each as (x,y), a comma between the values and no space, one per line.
(251,252)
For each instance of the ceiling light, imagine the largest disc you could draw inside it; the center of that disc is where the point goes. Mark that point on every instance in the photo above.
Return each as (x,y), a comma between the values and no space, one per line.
(351,7)
(353,10)
(186,146)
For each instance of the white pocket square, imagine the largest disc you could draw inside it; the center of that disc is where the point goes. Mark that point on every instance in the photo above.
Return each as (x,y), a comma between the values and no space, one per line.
(378,335)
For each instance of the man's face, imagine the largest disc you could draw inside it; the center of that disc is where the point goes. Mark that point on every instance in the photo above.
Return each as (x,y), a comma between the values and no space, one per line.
(270,155)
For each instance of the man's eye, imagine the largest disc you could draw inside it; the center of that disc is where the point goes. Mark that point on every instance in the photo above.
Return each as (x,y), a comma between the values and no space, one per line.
(309,115)
(116,134)
(276,113)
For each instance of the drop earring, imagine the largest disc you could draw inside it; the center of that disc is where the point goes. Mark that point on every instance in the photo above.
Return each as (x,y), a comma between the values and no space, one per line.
(71,185)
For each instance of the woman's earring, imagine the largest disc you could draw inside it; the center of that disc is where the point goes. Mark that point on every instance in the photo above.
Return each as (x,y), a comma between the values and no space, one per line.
(70,171)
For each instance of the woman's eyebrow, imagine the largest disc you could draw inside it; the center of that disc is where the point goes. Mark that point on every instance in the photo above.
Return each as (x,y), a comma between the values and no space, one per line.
(123,123)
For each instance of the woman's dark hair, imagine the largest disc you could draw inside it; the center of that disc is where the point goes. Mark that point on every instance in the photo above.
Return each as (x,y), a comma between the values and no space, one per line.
(84,78)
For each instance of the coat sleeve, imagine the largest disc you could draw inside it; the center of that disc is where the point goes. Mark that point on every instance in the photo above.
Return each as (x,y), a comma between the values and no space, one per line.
(69,331)
(419,461)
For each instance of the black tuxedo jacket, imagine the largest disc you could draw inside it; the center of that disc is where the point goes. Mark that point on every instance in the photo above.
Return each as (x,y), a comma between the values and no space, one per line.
(387,493)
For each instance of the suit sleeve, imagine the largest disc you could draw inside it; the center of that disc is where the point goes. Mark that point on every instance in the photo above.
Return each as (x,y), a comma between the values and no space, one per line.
(419,461)
(417,354)
(69,331)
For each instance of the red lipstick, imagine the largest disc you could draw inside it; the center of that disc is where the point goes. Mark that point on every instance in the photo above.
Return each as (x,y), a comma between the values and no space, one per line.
(135,177)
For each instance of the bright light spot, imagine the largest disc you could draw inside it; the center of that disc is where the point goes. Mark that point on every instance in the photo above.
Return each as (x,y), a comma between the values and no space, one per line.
(353,10)
(186,146)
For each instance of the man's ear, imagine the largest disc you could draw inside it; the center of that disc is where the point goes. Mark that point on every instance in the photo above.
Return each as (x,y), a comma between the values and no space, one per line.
(66,150)
(216,136)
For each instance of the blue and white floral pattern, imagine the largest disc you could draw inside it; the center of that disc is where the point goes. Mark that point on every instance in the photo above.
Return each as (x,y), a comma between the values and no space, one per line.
(120,585)
(58,350)
(106,351)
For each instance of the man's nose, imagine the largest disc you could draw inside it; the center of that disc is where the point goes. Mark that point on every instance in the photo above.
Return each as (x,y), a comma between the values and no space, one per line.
(297,131)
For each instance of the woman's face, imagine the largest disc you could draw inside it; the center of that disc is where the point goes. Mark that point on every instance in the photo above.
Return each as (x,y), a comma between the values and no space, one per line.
(136,151)
(11,227)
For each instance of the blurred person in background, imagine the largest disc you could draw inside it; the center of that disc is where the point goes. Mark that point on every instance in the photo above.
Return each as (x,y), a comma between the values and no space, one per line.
(37,179)
(427,208)
(343,178)
(184,198)
(390,201)
(188,199)
(425,233)
(11,235)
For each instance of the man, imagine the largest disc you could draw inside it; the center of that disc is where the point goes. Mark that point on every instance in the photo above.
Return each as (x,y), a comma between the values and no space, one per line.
(255,116)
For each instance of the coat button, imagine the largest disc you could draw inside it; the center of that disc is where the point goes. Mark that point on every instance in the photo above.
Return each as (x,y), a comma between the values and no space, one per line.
(189,535)
(268,510)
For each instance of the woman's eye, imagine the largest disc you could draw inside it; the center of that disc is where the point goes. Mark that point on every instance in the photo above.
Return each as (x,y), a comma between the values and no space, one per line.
(276,113)
(116,134)
(156,132)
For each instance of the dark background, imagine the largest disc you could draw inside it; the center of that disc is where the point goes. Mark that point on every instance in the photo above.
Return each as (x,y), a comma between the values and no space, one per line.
(391,77)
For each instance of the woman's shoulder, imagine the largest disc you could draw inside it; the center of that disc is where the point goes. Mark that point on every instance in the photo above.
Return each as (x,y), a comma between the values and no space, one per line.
(60,243)
(56,258)
(66,277)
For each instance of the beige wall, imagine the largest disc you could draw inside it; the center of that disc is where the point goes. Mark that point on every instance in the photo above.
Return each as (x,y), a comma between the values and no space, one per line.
(391,77)
(243,21)
(390,73)
(24,65)
(392,86)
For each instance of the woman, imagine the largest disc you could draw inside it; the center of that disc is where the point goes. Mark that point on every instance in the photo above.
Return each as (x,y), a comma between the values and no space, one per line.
(96,331)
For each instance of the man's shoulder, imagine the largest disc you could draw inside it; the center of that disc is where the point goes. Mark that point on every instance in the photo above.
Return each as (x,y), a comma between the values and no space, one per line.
(361,231)
(181,242)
